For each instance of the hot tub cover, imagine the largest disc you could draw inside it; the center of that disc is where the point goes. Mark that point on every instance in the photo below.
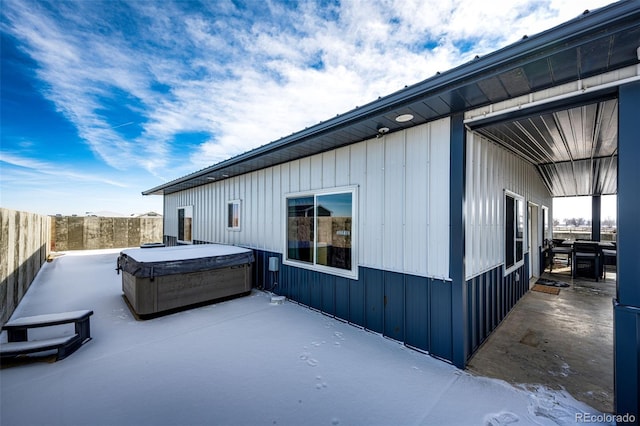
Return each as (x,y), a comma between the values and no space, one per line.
(159,261)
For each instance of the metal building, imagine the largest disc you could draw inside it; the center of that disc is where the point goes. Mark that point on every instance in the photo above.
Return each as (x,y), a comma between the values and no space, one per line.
(422,215)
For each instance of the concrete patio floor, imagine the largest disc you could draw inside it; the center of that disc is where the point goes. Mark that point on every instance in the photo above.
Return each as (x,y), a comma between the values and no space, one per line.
(562,341)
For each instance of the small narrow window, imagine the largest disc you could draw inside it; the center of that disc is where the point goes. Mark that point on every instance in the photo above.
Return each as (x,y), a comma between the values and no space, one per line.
(185,223)
(233,215)
(545,224)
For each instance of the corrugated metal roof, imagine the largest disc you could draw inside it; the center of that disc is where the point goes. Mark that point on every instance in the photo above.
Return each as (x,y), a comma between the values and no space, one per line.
(574,149)
(593,43)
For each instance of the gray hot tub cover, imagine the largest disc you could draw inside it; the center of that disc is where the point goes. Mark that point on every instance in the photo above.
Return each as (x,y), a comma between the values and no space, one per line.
(155,262)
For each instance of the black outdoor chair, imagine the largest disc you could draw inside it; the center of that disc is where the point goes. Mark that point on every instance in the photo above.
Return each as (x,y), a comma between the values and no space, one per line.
(558,247)
(586,260)
(609,258)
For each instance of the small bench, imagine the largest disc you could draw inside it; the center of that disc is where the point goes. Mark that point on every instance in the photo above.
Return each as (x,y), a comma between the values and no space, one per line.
(64,345)
(18,339)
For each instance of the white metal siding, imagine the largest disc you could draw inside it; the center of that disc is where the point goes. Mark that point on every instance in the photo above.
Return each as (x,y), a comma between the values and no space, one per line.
(416,197)
(438,223)
(393,208)
(372,215)
(403,196)
(491,170)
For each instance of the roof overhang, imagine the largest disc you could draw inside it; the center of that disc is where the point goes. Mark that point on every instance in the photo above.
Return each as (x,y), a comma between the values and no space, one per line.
(594,43)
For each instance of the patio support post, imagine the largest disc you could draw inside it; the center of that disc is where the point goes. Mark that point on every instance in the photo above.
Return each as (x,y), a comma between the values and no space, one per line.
(596,214)
(459,320)
(626,318)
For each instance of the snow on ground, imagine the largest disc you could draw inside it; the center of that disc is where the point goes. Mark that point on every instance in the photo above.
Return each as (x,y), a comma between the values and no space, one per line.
(241,362)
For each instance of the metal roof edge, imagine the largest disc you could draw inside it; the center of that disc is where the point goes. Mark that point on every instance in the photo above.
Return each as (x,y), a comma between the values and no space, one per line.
(586,23)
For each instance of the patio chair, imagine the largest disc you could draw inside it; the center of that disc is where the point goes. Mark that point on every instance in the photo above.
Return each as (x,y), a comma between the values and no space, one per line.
(586,260)
(560,248)
(609,257)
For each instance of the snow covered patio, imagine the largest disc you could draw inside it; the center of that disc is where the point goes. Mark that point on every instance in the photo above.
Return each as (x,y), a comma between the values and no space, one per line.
(241,362)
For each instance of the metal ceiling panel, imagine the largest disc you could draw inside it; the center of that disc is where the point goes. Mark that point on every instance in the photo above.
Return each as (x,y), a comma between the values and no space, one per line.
(493,89)
(594,56)
(622,42)
(564,66)
(584,177)
(473,95)
(454,100)
(539,73)
(572,148)
(515,82)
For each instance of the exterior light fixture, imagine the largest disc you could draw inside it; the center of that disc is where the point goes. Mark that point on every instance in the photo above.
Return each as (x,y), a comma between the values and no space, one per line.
(382,129)
(403,118)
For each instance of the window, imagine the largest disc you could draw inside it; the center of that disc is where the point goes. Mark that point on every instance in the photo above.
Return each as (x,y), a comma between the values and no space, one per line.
(319,231)
(185,219)
(233,215)
(514,231)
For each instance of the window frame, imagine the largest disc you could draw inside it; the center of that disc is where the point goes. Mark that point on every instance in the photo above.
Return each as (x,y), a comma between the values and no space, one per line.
(314,266)
(239,204)
(190,208)
(518,203)
(545,224)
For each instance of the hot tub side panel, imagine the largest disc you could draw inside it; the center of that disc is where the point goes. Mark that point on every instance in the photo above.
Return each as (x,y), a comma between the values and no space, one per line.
(162,293)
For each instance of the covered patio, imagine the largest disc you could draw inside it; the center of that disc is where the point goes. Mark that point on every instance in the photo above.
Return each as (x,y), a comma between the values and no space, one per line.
(561,338)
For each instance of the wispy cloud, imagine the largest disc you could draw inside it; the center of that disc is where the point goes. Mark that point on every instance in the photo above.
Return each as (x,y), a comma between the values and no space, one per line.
(244,77)
(23,169)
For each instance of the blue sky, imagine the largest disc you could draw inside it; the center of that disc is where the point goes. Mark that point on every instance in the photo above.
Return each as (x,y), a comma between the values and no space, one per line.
(101,100)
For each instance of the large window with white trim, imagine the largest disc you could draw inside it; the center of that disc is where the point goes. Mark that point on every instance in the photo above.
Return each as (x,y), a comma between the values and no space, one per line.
(185,223)
(514,231)
(320,231)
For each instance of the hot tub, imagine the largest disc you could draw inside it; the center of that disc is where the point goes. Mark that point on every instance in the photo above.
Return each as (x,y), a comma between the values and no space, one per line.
(163,278)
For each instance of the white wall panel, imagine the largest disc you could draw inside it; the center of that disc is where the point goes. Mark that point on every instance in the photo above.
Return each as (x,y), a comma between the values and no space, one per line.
(438,206)
(372,215)
(267,234)
(358,175)
(253,211)
(416,196)
(490,170)
(305,174)
(342,166)
(170,219)
(328,164)
(294,176)
(394,207)
(403,200)
(277,235)
(315,181)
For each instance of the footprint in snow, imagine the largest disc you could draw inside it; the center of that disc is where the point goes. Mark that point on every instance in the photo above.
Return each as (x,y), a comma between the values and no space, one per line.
(498,419)
(305,356)
(320,384)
